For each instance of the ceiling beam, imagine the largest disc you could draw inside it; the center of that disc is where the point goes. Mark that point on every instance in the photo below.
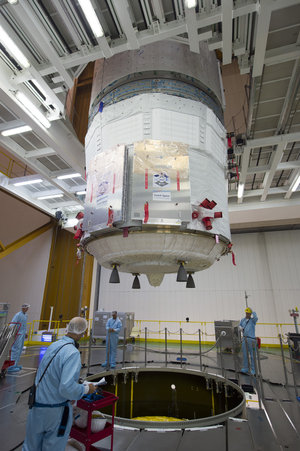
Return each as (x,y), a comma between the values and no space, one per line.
(259,192)
(293,178)
(122,10)
(38,153)
(244,165)
(30,21)
(283,166)
(66,20)
(280,4)
(31,73)
(227,7)
(276,158)
(282,54)
(11,124)
(290,98)
(15,149)
(58,137)
(262,30)
(158,10)
(272,140)
(191,23)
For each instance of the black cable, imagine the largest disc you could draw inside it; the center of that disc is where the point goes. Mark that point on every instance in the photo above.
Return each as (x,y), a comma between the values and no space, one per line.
(16,447)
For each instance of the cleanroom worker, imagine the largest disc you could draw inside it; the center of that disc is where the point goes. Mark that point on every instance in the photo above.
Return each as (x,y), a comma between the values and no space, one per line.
(113,327)
(17,347)
(247,325)
(50,419)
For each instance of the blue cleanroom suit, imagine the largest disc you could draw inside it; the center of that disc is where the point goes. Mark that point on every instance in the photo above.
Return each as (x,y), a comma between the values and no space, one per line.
(17,347)
(248,327)
(59,384)
(112,339)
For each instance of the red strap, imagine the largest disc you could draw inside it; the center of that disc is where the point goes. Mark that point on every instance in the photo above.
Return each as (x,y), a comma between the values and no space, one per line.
(146,179)
(178,181)
(146,212)
(110,217)
(114,184)
(233,258)
(237,172)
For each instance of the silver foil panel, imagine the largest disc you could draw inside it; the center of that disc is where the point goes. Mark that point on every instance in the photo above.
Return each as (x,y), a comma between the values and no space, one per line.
(160,183)
(103,203)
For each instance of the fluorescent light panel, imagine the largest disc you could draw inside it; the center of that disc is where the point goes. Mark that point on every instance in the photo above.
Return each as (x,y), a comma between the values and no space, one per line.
(296,184)
(11,47)
(32,109)
(51,196)
(71,222)
(28,182)
(36,83)
(241,190)
(191,3)
(69,176)
(81,193)
(16,130)
(91,17)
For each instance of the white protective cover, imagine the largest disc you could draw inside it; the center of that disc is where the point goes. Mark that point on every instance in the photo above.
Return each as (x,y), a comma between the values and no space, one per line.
(169,118)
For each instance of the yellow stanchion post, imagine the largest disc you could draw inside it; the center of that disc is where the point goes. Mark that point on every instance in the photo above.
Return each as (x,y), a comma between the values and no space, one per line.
(116,394)
(213,402)
(131,396)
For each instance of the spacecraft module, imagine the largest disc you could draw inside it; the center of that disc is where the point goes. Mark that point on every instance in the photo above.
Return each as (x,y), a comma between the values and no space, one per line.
(156,162)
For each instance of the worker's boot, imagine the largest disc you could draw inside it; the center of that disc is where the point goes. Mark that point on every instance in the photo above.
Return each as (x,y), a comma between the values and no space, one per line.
(13,369)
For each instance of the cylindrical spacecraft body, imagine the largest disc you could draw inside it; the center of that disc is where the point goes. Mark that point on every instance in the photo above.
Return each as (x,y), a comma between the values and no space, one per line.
(156,162)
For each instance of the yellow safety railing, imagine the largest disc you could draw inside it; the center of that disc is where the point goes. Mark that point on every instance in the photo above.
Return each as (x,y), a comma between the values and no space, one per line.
(58,327)
(12,168)
(156,330)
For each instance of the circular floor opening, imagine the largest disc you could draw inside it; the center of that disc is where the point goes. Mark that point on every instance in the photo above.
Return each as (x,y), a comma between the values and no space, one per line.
(167,397)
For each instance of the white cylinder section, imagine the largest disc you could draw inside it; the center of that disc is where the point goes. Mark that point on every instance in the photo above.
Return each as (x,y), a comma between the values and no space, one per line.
(156,163)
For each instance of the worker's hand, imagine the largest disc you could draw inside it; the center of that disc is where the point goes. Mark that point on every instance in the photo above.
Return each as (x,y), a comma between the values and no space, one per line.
(92,389)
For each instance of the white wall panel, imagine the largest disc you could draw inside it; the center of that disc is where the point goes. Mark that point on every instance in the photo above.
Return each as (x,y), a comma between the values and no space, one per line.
(23,275)
(267,267)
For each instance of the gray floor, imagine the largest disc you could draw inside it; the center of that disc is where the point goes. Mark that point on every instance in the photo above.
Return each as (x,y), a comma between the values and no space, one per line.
(274,427)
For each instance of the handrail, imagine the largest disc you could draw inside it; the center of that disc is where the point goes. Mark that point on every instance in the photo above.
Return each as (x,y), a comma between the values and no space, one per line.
(190,333)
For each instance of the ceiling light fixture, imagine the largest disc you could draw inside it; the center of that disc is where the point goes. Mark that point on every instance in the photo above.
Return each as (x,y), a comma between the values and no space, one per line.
(71,222)
(81,193)
(191,3)
(91,17)
(51,196)
(13,2)
(296,184)
(240,190)
(28,182)
(13,50)
(32,109)
(16,130)
(69,176)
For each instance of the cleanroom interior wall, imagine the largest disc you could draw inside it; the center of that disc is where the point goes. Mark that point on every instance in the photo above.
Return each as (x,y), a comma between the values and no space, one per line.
(23,274)
(267,268)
